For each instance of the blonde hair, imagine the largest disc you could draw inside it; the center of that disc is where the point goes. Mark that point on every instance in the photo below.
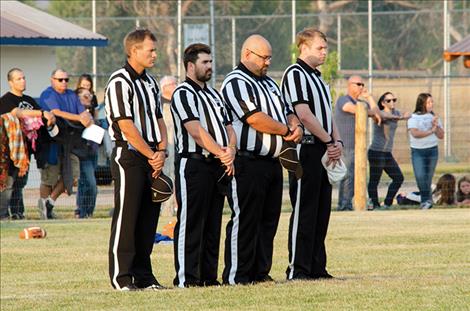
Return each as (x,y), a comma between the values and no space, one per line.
(136,37)
(308,34)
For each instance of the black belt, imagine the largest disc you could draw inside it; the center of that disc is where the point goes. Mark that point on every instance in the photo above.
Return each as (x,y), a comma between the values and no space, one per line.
(308,140)
(198,156)
(251,155)
(125,144)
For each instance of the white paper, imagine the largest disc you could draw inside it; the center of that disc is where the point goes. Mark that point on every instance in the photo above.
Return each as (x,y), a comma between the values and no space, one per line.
(94,133)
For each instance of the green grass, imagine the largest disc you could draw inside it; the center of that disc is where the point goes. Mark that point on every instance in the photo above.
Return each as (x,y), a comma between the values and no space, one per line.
(393,260)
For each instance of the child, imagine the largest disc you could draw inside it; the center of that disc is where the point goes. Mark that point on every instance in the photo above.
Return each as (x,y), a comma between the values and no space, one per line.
(444,194)
(463,191)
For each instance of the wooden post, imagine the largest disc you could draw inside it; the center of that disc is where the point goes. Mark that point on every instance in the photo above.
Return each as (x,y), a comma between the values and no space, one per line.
(360,158)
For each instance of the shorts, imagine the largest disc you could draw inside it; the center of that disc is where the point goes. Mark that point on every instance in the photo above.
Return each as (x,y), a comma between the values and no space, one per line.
(50,175)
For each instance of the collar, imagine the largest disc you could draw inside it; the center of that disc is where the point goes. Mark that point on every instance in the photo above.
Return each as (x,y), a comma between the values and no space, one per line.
(196,86)
(248,72)
(134,75)
(308,68)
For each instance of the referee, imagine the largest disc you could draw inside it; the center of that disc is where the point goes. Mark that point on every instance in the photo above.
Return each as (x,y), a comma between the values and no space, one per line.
(136,125)
(305,91)
(205,146)
(260,120)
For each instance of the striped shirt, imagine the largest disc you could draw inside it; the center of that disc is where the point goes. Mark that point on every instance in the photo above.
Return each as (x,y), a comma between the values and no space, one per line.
(191,102)
(129,95)
(245,94)
(303,84)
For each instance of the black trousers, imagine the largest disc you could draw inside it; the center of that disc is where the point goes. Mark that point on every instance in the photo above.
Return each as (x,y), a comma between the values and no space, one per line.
(200,201)
(383,161)
(311,200)
(134,220)
(256,207)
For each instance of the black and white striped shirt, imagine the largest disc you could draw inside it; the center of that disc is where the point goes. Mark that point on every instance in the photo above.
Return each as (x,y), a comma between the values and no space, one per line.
(129,95)
(303,84)
(245,94)
(191,102)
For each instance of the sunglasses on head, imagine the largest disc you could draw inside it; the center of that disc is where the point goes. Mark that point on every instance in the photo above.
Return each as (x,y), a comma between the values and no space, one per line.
(62,79)
(388,101)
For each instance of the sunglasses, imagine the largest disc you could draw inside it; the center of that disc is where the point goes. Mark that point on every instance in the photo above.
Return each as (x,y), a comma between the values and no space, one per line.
(62,79)
(388,101)
(87,96)
(358,84)
(265,58)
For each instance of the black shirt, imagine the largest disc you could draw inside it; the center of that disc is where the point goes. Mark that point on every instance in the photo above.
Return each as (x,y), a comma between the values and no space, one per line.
(10,101)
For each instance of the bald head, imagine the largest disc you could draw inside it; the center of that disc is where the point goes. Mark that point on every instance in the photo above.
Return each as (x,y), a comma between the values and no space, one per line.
(256,54)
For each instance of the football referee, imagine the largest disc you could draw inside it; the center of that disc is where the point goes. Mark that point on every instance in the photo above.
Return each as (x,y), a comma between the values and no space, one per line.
(261,121)
(304,89)
(133,111)
(205,151)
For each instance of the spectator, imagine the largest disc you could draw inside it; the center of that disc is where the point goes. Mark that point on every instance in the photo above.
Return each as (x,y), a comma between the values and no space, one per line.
(444,193)
(425,130)
(64,103)
(380,152)
(23,107)
(345,120)
(87,190)
(168,86)
(463,191)
(85,81)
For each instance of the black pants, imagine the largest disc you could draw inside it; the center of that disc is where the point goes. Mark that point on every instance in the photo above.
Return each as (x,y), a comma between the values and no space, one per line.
(311,200)
(200,201)
(16,201)
(383,161)
(134,220)
(256,206)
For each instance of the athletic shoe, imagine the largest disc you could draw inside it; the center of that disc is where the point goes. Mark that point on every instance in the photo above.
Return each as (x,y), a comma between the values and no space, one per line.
(211,283)
(325,275)
(371,205)
(426,205)
(49,208)
(42,208)
(264,279)
(154,287)
(130,288)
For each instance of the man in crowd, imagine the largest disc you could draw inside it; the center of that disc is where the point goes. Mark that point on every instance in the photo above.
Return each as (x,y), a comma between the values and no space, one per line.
(133,110)
(63,103)
(168,86)
(205,144)
(20,106)
(261,121)
(304,90)
(345,117)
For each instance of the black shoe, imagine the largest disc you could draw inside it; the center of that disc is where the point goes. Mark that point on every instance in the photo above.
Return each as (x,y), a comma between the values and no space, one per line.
(130,288)
(154,287)
(264,279)
(325,275)
(17,217)
(210,283)
(50,213)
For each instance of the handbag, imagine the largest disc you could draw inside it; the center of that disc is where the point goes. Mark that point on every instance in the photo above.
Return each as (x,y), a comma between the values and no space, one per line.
(336,173)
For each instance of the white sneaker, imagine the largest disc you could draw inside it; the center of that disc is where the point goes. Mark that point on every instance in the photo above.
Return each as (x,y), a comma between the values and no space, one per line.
(42,209)
(426,205)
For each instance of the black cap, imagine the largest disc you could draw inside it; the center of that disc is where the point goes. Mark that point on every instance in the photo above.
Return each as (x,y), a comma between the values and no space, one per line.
(289,158)
(162,188)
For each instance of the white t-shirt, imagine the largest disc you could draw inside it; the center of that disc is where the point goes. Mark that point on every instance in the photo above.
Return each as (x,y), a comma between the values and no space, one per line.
(422,122)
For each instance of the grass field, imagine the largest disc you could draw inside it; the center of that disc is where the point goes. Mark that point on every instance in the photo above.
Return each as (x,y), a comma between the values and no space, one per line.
(392,260)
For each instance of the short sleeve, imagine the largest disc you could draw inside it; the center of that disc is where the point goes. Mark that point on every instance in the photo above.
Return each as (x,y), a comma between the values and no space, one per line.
(119,95)
(412,122)
(184,104)
(240,99)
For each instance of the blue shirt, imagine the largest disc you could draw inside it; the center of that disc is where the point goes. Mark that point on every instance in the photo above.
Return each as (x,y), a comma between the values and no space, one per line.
(50,99)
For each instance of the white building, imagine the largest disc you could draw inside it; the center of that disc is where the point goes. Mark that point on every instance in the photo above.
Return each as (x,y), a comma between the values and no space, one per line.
(28,38)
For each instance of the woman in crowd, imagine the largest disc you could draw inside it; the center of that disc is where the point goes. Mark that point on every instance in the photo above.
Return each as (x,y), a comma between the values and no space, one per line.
(85,81)
(463,191)
(380,152)
(444,194)
(87,190)
(425,130)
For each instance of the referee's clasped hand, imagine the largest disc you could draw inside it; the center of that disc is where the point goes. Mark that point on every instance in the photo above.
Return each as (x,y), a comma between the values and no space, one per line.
(295,135)
(156,162)
(227,156)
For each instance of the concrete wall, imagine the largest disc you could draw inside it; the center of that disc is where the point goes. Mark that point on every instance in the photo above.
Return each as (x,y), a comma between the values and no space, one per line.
(36,62)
